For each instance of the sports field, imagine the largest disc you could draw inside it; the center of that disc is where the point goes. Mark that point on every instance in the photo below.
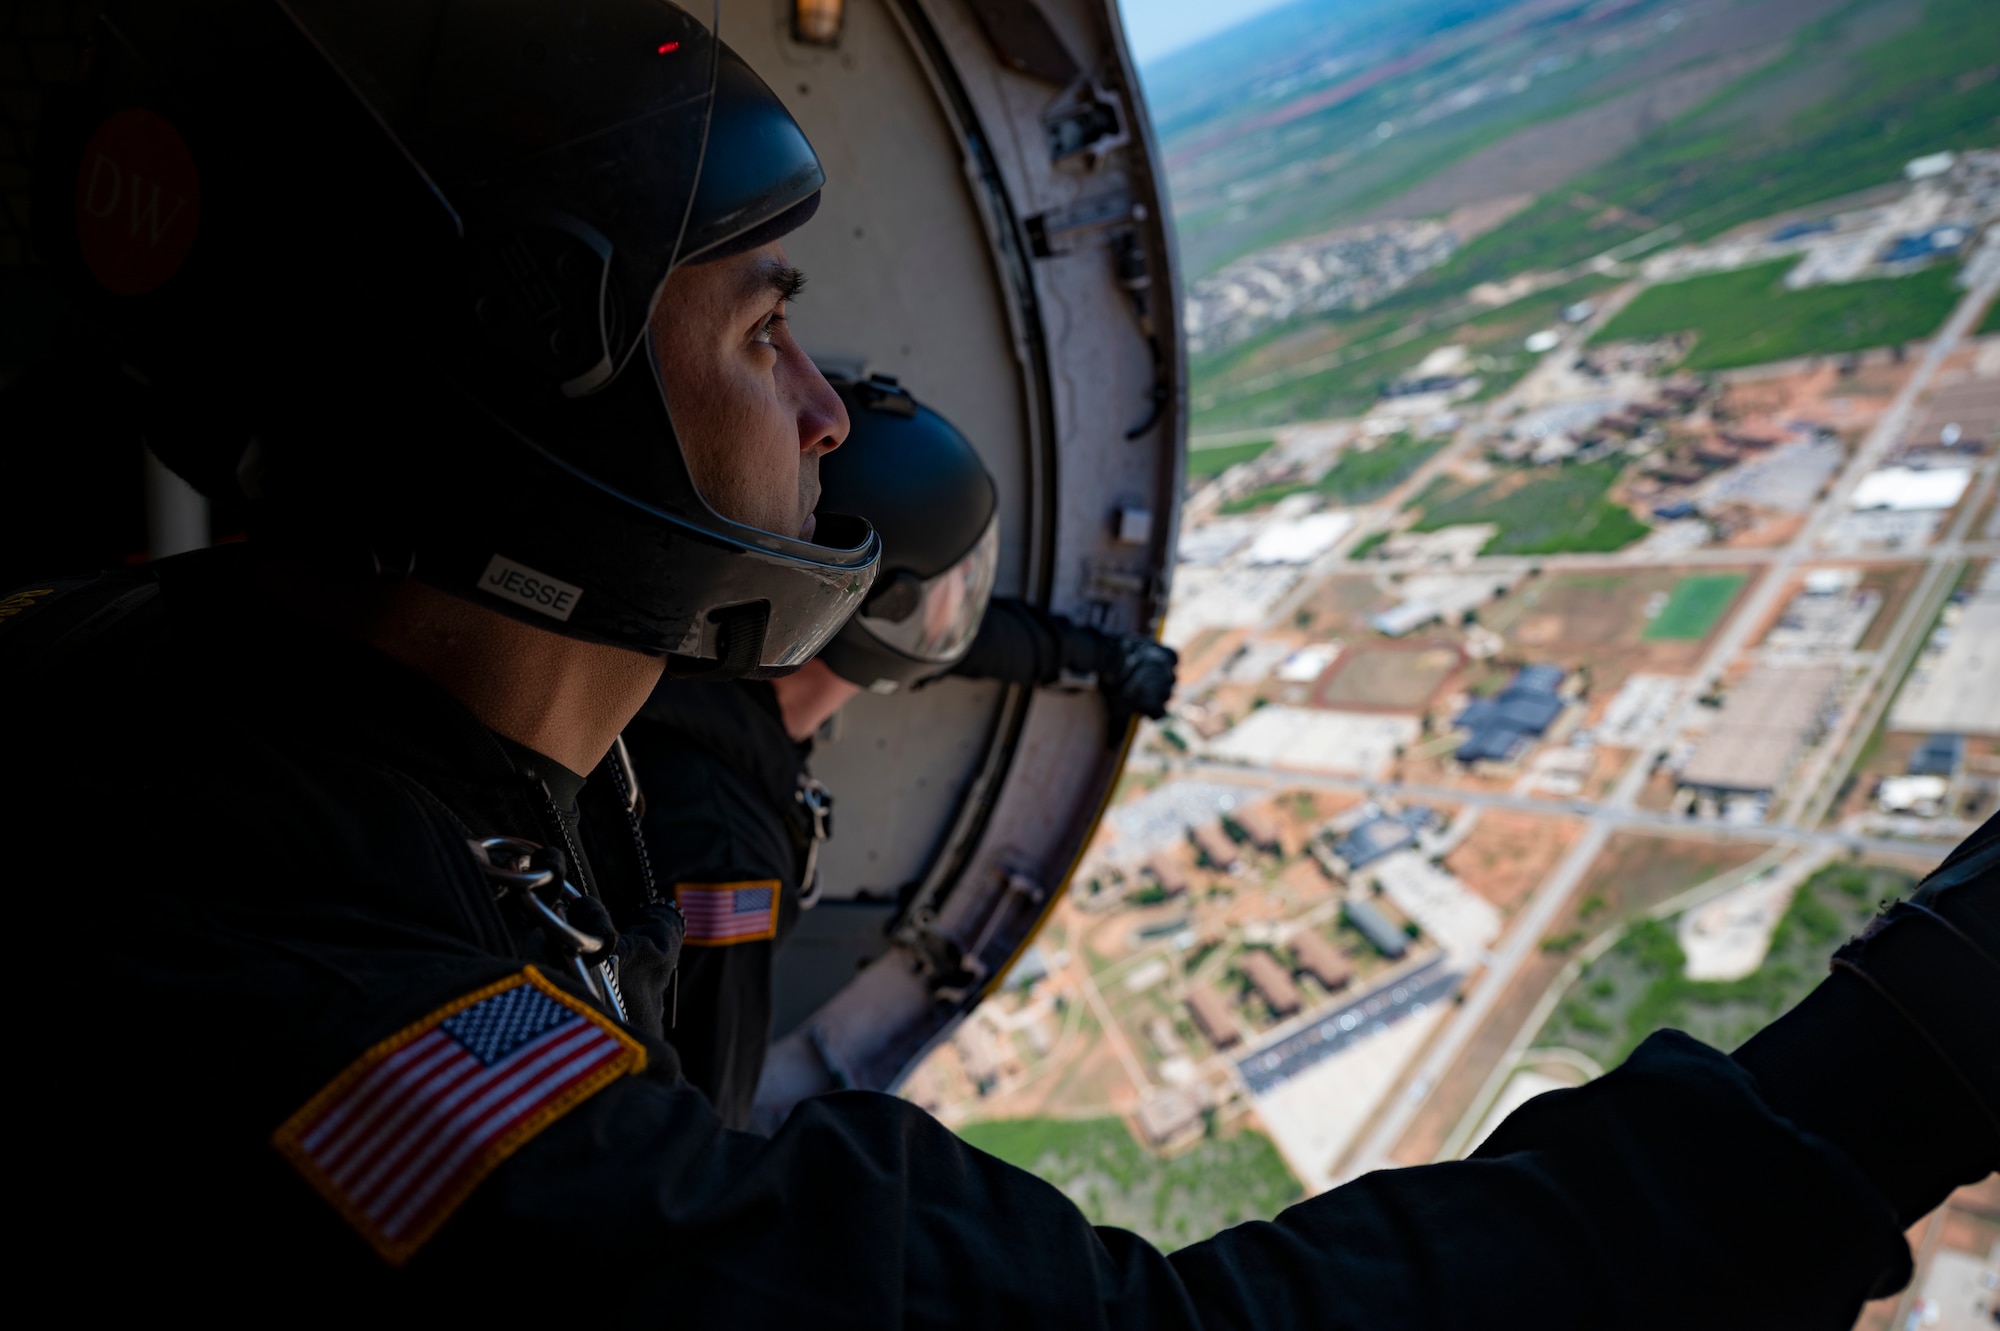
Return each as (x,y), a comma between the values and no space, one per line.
(1693,606)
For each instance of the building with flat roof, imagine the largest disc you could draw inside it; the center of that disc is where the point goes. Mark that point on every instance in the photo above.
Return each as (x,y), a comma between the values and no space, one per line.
(1501,727)
(1765,723)
(1272,982)
(1216,848)
(1321,960)
(1938,755)
(1212,1016)
(1168,1117)
(1377,928)
(1168,872)
(1260,825)
(1383,834)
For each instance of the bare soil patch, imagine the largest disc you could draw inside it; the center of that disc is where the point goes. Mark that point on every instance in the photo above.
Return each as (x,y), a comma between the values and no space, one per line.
(1400,679)
(1509,853)
(1597,619)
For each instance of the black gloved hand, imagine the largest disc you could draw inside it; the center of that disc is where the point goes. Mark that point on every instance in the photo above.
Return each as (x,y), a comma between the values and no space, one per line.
(649,952)
(647,949)
(1137,676)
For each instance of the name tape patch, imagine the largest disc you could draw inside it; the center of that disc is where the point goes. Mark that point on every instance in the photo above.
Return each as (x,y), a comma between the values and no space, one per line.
(538,591)
(402,1137)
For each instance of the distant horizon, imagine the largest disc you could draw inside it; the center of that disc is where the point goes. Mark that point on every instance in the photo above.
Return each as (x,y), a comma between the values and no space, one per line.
(1158,29)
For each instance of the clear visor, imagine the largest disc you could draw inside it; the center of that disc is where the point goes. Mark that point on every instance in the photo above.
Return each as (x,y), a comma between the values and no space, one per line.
(948,607)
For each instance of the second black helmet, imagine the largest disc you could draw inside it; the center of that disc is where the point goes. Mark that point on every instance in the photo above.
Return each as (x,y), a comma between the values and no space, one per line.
(920,483)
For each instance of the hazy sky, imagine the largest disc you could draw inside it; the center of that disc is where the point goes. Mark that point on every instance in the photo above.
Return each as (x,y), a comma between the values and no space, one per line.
(1158,27)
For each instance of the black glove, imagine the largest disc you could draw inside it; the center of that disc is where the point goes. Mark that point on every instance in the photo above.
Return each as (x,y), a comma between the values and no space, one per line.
(1137,675)
(648,951)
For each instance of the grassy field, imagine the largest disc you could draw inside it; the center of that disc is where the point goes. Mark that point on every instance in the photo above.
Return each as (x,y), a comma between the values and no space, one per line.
(1358,478)
(1639,987)
(1747,317)
(1863,108)
(1203,463)
(1366,546)
(1367,351)
(1991,323)
(1548,511)
(1694,605)
(1223,1181)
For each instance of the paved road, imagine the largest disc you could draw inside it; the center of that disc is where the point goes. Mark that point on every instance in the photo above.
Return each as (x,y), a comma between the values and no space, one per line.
(1615,819)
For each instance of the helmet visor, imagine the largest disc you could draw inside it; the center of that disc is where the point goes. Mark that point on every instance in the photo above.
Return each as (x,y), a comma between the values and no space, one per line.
(939,623)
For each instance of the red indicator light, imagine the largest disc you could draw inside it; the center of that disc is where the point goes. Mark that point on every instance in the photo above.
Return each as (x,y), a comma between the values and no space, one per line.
(669,47)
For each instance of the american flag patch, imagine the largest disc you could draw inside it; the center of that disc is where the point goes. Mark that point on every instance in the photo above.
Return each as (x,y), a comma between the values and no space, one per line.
(719,914)
(403,1136)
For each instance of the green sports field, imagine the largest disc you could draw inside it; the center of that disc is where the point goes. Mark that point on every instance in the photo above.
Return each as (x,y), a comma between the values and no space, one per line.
(1693,606)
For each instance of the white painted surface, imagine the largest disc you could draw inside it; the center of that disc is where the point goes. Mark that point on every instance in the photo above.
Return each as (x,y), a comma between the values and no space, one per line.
(1316,1115)
(1320,741)
(1727,938)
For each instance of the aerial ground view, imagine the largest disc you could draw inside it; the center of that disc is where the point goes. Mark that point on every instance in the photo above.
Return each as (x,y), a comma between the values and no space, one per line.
(1588,592)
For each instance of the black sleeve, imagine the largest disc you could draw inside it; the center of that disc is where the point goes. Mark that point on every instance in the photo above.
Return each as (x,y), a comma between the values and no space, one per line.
(705,823)
(1017,642)
(1664,1195)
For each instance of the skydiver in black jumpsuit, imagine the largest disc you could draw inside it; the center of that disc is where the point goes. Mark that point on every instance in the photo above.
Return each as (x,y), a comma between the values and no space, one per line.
(731,806)
(303,1044)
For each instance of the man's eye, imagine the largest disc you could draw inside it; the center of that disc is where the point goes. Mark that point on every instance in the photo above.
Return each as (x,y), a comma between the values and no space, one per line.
(767,330)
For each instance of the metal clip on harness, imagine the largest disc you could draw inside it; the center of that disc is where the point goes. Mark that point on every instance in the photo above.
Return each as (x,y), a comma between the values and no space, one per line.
(520,872)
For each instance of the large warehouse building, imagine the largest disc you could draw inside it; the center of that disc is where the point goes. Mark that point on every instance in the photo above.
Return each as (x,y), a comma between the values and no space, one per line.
(1766,722)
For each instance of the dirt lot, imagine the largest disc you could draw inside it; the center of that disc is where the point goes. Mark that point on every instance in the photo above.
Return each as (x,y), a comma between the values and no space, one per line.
(1758,402)
(1633,872)
(1598,619)
(1637,871)
(1342,604)
(1508,854)
(1398,679)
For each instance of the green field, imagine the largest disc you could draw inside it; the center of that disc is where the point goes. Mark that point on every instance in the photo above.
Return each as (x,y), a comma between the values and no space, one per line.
(1552,511)
(1747,317)
(1991,323)
(1222,1181)
(1366,546)
(1639,985)
(1358,478)
(1693,606)
(1203,463)
(1857,95)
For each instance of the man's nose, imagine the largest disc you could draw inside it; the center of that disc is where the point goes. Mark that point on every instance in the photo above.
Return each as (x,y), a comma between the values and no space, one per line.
(823,423)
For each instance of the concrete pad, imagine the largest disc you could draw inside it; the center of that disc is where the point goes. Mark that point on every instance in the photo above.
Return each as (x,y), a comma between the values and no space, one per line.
(1361,743)
(1727,938)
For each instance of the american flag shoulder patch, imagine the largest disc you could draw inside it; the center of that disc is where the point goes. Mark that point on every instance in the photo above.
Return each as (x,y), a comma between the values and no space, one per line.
(400,1139)
(719,914)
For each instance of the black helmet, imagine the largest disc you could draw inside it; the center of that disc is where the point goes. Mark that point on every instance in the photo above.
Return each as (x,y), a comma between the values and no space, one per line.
(937,510)
(387,269)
